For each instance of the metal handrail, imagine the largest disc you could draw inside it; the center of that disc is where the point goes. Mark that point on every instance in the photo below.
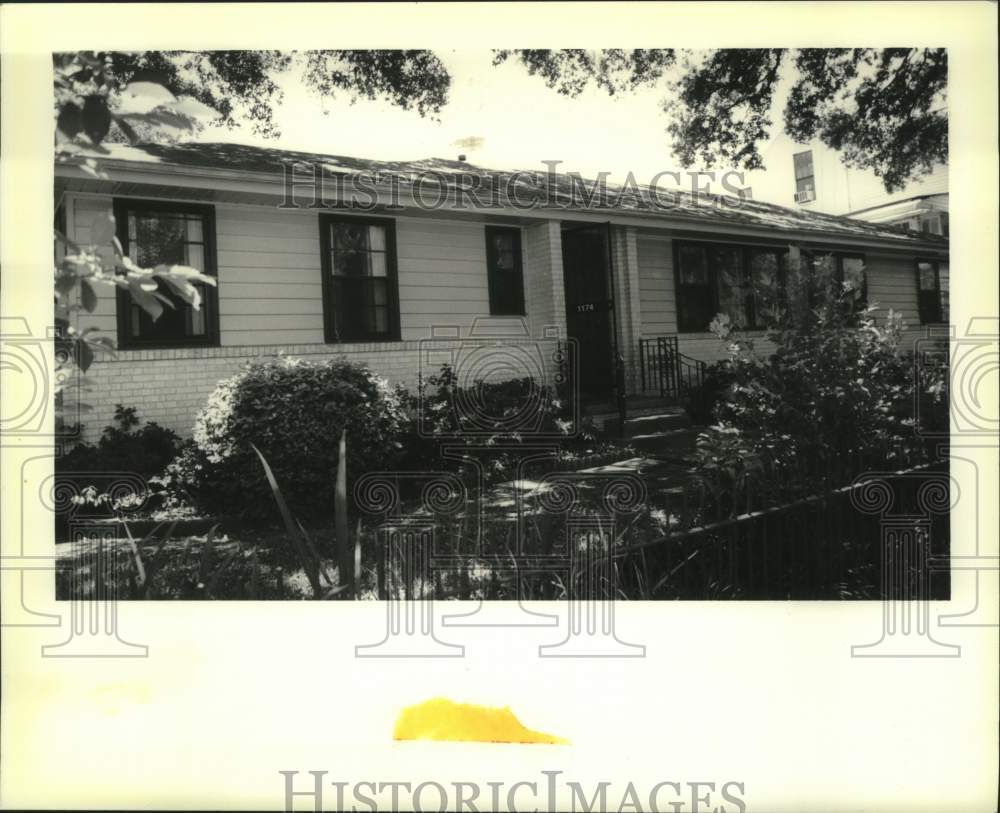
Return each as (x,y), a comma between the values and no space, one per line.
(663,368)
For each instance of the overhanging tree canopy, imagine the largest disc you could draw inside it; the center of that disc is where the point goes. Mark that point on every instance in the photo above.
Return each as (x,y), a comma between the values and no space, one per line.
(882,109)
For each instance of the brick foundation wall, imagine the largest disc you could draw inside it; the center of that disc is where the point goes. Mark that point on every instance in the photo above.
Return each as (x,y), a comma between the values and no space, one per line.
(171,386)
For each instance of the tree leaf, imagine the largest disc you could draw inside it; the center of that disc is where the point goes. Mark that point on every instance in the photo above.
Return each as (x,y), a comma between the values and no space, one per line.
(183,271)
(102,229)
(87,296)
(96,118)
(144,299)
(70,120)
(185,290)
(84,355)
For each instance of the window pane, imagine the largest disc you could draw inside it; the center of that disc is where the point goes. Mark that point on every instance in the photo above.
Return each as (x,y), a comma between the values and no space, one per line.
(360,307)
(359,300)
(732,291)
(168,238)
(158,239)
(943,295)
(196,318)
(195,256)
(693,267)
(764,269)
(381,320)
(350,263)
(765,282)
(503,251)
(376,238)
(503,268)
(376,265)
(853,274)
(803,162)
(359,250)
(349,237)
(928,279)
(694,308)
(195,232)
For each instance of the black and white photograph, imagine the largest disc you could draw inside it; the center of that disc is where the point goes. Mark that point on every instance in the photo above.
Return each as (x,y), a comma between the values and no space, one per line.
(478,336)
(488,372)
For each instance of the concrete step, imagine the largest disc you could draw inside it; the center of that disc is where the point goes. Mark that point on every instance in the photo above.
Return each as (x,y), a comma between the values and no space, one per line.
(659,421)
(642,420)
(604,414)
(669,444)
(635,404)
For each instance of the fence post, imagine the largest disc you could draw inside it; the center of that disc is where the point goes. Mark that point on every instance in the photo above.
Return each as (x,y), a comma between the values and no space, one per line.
(620,386)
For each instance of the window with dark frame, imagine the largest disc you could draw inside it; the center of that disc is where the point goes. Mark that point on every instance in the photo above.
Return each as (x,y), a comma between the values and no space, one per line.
(504,271)
(805,178)
(847,267)
(156,233)
(740,281)
(851,271)
(360,295)
(930,302)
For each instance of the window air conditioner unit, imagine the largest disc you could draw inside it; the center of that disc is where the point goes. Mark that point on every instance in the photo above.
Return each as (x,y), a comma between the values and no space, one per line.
(805,197)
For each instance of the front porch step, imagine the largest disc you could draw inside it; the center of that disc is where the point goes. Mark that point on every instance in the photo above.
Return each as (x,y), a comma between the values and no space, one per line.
(605,415)
(656,420)
(677,444)
(637,405)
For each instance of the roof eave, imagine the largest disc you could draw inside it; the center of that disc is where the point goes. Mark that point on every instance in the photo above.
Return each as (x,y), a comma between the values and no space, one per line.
(171,174)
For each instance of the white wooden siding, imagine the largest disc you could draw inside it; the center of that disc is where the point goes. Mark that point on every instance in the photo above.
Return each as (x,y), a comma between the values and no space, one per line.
(269,273)
(657,308)
(270,290)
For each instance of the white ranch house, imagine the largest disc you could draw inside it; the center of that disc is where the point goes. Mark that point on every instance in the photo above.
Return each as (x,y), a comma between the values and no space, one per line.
(375,285)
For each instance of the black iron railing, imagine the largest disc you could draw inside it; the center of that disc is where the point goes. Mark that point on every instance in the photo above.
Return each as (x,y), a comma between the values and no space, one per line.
(621,396)
(664,369)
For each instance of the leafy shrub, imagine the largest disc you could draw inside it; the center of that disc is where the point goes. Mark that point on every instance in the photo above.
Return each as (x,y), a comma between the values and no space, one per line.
(293,411)
(124,446)
(700,402)
(484,413)
(836,384)
(491,411)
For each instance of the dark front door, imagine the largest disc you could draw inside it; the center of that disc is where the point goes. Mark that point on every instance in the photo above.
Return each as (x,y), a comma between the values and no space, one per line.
(589,307)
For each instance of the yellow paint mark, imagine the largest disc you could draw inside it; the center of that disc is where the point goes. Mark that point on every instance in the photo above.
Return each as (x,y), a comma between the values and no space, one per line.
(442,719)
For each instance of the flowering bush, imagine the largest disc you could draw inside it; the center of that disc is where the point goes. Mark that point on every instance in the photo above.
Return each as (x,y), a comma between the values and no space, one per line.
(293,411)
(493,412)
(837,382)
(500,414)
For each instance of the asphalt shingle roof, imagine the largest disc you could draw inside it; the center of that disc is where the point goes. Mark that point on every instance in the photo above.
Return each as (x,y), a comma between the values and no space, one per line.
(560,190)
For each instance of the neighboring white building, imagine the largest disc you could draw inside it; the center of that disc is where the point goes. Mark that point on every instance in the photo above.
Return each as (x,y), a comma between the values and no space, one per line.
(813,178)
